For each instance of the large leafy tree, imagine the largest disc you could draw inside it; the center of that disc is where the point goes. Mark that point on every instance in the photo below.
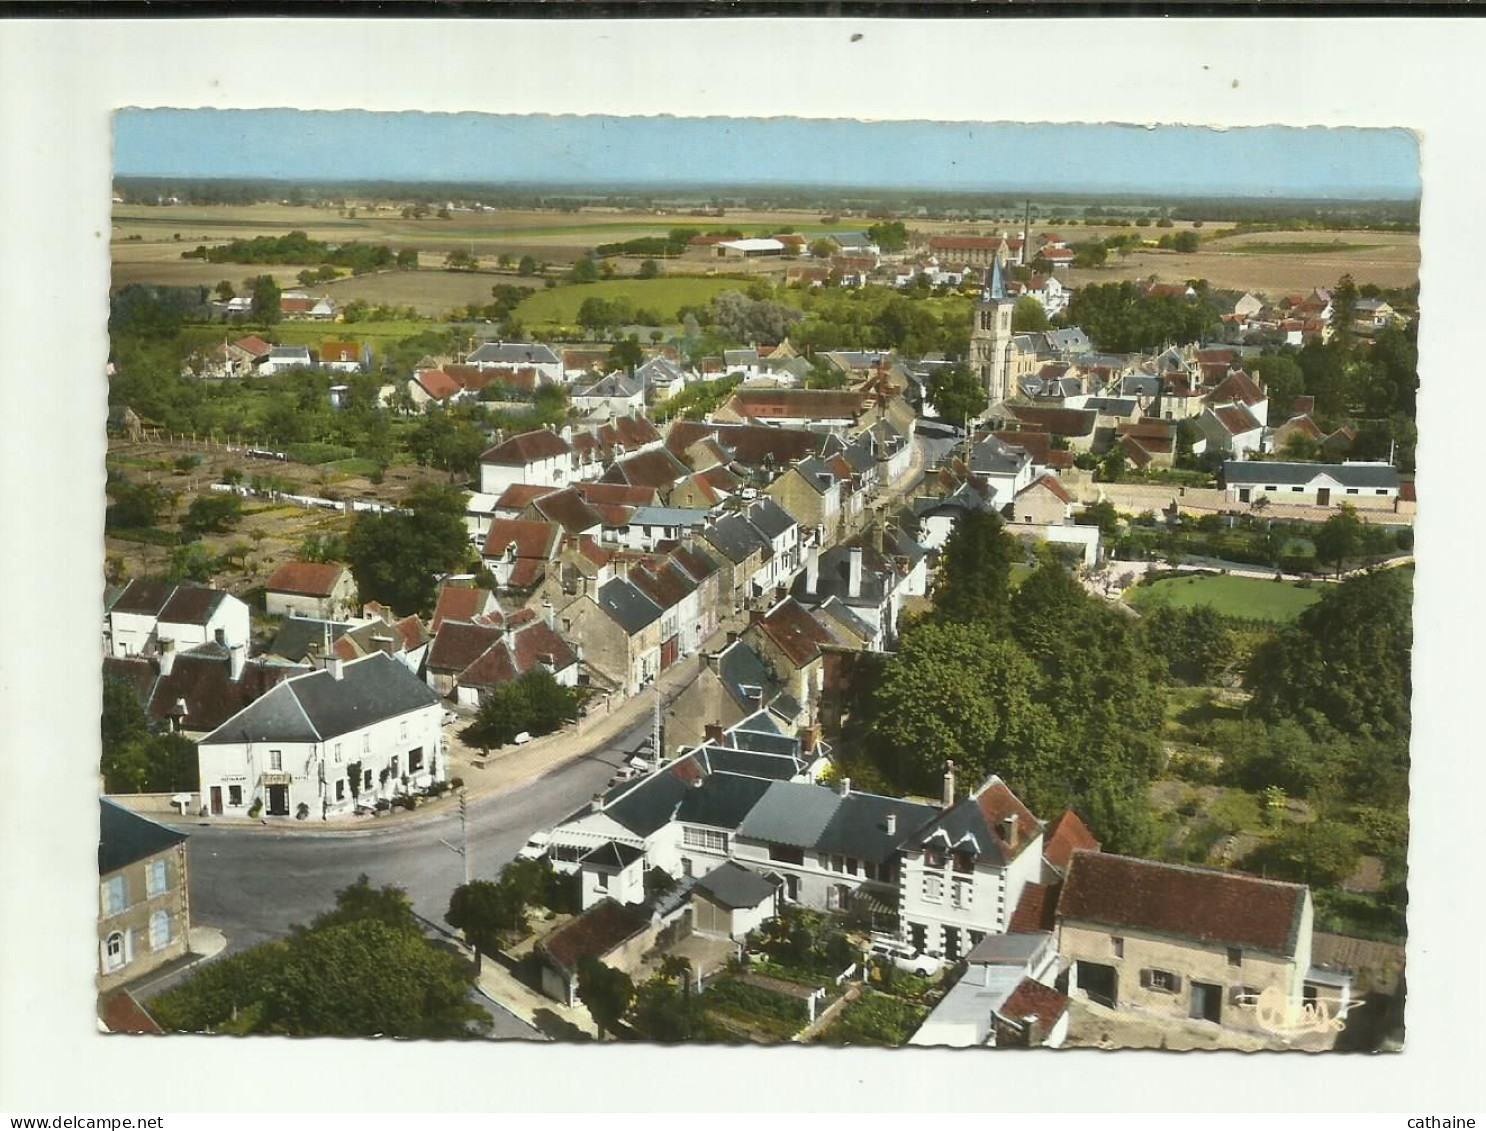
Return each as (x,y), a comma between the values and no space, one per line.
(605,991)
(956,394)
(1346,658)
(363,970)
(974,583)
(396,556)
(534,702)
(136,759)
(267,299)
(1340,538)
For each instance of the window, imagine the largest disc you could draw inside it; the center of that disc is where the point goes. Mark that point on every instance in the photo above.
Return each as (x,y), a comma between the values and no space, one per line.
(1381,491)
(1297,490)
(1246,996)
(786,854)
(933,889)
(1117,944)
(402,731)
(340,790)
(1235,956)
(113,951)
(114,896)
(603,881)
(964,862)
(366,744)
(275,759)
(159,930)
(1162,980)
(157,879)
(964,893)
(838,863)
(933,859)
(392,769)
(851,866)
(792,888)
(235,796)
(415,760)
(686,865)
(711,840)
(1271,487)
(1351,490)
(869,870)
(337,753)
(367,784)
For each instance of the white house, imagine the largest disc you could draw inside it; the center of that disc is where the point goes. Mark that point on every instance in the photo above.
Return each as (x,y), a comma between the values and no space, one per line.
(618,394)
(783,535)
(321,744)
(1363,485)
(650,525)
(519,355)
(281,358)
(541,458)
(147,613)
(1005,998)
(963,873)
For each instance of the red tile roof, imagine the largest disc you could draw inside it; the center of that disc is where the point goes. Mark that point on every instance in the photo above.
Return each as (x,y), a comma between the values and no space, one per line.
(437,384)
(1236,419)
(534,540)
(535,643)
(458,644)
(121,1013)
(798,404)
(306,579)
(1206,906)
(528,447)
(1032,999)
(656,469)
(568,510)
(593,934)
(340,351)
(1035,910)
(1050,482)
(1237,387)
(254,345)
(526,573)
(518,496)
(493,668)
(191,604)
(797,634)
(590,549)
(1057,421)
(1136,454)
(666,586)
(963,243)
(620,493)
(1063,837)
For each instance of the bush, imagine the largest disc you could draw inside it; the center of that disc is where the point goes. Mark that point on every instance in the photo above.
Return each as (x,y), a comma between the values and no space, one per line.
(456,783)
(383,805)
(318,452)
(302,812)
(255,809)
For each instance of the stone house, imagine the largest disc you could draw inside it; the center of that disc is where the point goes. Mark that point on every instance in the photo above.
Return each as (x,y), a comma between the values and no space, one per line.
(310,589)
(144,905)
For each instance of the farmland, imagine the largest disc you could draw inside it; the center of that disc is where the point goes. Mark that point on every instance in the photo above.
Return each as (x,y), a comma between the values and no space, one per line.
(664,295)
(1247,597)
(429,291)
(1273,263)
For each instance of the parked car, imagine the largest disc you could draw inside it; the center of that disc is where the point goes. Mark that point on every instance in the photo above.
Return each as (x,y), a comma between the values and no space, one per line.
(906,957)
(450,717)
(523,738)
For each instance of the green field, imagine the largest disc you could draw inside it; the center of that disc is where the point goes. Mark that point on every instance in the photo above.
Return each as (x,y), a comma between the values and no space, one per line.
(559,306)
(1297,247)
(314,333)
(1246,597)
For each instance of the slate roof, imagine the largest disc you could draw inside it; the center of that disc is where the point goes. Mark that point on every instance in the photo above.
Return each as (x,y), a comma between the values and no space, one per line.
(296,634)
(612,854)
(727,761)
(770,518)
(791,813)
(307,579)
(316,707)
(972,824)
(739,667)
(735,887)
(1205,906)
(592,934)
(859,826)
(125,837)
(629,607)
(721,800)
(644,806)
(1112,406)
(514,353)
(735,537)
(668,516)
(191,604)
(143,597)
(994,456)
(614,385)
(1298,474)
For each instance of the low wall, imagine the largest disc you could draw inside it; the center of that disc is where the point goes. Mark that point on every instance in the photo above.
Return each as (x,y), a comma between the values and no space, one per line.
(155,803)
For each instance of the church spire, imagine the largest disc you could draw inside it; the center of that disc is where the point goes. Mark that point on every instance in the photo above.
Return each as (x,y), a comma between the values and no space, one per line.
(998,289)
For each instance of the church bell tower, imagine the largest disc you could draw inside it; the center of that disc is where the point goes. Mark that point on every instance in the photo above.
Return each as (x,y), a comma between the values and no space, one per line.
(990,337)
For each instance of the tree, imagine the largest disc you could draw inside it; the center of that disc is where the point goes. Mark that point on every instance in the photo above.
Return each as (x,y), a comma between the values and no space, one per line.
(1103,515)
(649,269)
(460,259)
(595,314)
(1282,378)
(394,557)
(191,562)
(626,354)
(407,259)
(1340,537)
(1320,853)
(213,514)
(974,582)
(224,291)
(606,992)
(534,702)
(360,901)
(956,394)
(482,910)
(1345,659)
(822,248)
(1028,315)
(890,236)
(527,266)
(267,304)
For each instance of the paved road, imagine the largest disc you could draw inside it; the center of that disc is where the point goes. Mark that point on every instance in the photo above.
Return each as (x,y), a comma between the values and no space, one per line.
(253,885)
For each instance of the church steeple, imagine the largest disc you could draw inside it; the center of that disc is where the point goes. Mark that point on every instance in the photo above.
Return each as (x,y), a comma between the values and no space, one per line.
(998,289)
(990,336)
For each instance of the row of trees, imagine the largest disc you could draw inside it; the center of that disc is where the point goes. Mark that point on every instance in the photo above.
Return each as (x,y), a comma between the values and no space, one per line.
(297,247)
(1119,319)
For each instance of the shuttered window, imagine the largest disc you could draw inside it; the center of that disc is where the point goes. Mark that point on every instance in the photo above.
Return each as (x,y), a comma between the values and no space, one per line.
(158,878)
(1163,981)
(159,930)
(114,899)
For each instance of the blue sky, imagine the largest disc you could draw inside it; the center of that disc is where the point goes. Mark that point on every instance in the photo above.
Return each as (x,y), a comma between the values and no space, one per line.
(618,152)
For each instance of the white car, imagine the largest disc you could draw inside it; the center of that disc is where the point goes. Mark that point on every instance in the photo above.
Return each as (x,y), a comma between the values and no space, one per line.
(450,717)
(907,958)
(535,848)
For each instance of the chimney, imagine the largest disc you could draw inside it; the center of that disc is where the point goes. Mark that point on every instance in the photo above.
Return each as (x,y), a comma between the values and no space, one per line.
(949,784)
(335,666)
(732,637)
(167,656)
(854,578)
(714,733)
(1007,831)
(812,571)
(549,614)
(892,824)
(238,658)
(845,786)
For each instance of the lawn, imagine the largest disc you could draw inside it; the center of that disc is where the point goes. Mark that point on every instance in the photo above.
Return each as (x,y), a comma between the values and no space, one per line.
(1246,597)
(560,304)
